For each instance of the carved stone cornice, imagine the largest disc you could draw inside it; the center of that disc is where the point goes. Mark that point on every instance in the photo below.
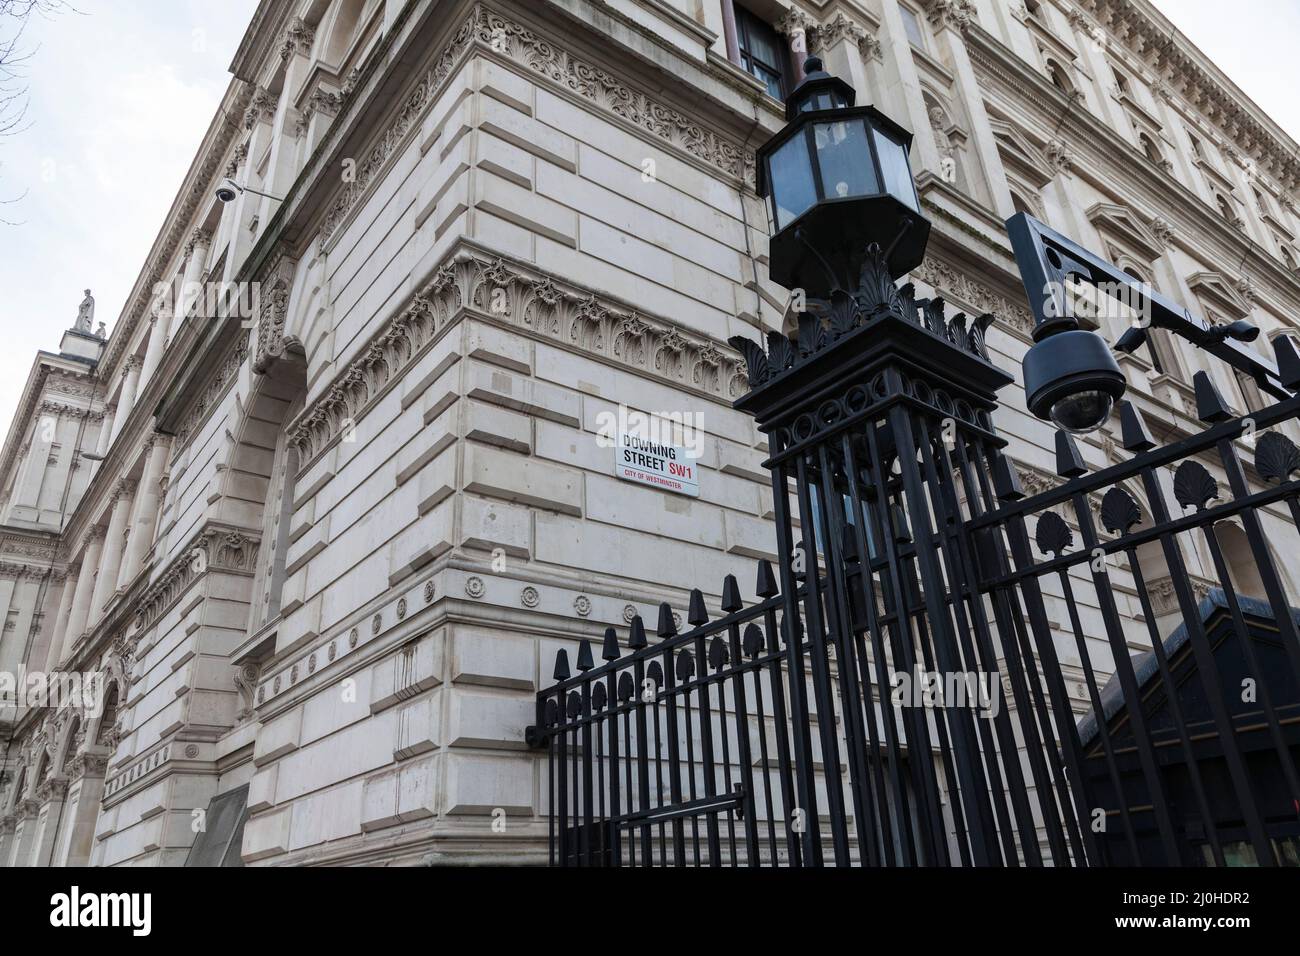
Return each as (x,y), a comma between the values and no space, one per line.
(214,548)
(218,382)
(1184,69)
(957,287)
(532,302)
(505,37)
(196,191)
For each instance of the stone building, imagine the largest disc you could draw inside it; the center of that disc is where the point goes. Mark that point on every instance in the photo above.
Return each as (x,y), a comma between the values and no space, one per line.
(322,553)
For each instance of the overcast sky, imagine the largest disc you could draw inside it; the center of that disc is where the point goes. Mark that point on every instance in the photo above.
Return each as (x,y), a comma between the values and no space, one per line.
(122,92)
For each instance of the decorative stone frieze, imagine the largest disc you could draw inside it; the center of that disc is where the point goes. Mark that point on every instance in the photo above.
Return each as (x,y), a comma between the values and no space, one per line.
(531,301)
(543,56)
(216,387)
(212,549)
(956,286)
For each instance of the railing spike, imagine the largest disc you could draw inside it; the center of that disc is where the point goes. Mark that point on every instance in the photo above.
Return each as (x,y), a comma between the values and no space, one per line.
(1133,428)
(561,665)
(1069,462)
(696,614)
(636,638)
(610,651)
(1288,361)
(585,660)
(766,580)
(731,595)
(1210,406)
(1006,482)
(667,626)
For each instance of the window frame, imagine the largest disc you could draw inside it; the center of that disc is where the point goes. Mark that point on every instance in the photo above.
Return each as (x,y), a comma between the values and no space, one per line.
(747,20)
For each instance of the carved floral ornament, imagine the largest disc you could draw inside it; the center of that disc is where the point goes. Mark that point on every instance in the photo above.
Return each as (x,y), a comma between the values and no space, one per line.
(839,29)
(528,300)
(505,37)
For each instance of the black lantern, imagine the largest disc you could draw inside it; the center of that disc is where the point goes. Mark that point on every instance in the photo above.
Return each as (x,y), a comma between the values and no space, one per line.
(837,179)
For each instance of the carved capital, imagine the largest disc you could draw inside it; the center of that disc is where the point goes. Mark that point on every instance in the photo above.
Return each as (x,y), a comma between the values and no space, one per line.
(260,109)
(795,23)
(958,14)
(841,29)
(297,39)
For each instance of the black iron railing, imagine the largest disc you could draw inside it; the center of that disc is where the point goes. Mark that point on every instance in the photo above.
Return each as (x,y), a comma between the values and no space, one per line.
(939,670)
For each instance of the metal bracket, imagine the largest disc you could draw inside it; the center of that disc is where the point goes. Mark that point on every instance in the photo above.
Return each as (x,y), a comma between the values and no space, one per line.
(1047,259)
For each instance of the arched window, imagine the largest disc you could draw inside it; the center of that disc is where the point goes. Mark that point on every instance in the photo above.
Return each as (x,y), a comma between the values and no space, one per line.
(1243,571)
(278,401)
(1149,147)
(70,751)
(109,718)
(1153,350)
(1020,205)
(1060,77)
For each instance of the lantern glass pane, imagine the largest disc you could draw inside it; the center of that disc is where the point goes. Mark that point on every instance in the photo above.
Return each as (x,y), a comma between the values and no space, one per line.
(791,180)
(844,156)
(894,168)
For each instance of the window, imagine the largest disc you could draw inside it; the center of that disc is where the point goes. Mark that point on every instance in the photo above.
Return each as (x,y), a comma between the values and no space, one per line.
(1153,354)
(1121,82)
(1225,208)
(762,53)
(1287,256)
(1197,148)
(1250,394)
(1019,205)
(912,27)
(1150,149)
(1059,77)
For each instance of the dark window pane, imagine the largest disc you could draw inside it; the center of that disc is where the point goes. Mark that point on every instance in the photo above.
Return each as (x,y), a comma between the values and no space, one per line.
(761,51)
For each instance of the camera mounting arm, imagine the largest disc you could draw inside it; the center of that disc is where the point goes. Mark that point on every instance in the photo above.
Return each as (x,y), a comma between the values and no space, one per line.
(1048,259)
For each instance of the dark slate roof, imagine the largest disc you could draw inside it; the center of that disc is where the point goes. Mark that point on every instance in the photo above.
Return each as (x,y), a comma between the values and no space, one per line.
(1145,666)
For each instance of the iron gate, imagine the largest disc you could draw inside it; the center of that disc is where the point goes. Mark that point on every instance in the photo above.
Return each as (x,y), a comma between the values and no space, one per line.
(781,733)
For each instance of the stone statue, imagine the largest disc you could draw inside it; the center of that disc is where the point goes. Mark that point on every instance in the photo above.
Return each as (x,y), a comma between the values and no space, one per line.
(85,313)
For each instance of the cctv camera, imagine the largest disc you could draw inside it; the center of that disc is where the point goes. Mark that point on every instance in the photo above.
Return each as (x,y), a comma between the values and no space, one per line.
(227,191)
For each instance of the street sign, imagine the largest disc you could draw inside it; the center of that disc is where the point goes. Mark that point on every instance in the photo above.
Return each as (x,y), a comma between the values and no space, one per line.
(666,467)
